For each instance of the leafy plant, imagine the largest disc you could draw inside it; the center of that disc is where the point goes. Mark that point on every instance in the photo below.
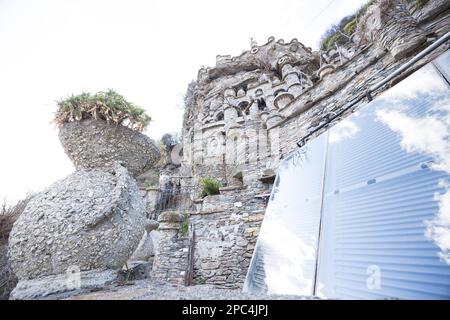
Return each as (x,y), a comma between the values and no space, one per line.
(341,32)
(8,215)
(108,106)
(421,3)
(209,187)
(148,184)
(350,27)
(184,228)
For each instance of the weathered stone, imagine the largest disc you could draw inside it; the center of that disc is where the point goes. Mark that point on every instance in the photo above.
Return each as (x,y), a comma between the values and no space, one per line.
(256,217)
(63,285)
(136,270)
(93,219)
(249,112)
(392,27)
(251,232)
(170,260)
(151,225)
(97,144)
(171,216)
(145,249)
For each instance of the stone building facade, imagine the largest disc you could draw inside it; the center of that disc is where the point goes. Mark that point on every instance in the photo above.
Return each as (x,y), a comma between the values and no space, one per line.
(248,112)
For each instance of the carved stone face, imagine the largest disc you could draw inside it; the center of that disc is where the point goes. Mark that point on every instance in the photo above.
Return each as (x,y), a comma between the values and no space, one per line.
(390,26)
(373,22)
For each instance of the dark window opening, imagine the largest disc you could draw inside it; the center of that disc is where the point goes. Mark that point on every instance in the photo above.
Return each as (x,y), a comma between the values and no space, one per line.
(262,104)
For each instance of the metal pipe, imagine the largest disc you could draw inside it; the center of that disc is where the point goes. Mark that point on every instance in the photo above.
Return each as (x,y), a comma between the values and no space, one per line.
(416,58)
(378,85)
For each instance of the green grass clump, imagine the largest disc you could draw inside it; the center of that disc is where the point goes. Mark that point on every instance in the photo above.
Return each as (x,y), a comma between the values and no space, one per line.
(421,3)
(108,106)
(330,40)
(209,187)
(341,32)
(350,27)
(184,228)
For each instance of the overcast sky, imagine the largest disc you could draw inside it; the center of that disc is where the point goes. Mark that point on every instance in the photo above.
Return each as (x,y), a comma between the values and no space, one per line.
(148,51)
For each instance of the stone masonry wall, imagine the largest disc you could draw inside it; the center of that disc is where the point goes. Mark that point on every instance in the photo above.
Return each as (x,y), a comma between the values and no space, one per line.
(226,230)
(249,112)
(170,263)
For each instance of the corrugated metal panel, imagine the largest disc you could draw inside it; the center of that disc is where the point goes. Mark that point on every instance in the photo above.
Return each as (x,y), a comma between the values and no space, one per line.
(380,193)
(385,183)
(285,256)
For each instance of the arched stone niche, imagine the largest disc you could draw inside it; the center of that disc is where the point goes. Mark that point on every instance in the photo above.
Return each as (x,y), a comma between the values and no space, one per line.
(283,99)
(230,114)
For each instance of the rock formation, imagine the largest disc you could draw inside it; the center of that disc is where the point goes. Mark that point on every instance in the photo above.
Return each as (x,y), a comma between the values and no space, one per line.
(93,219)
(145,249)
(96,144)
(86,226)
(248,112)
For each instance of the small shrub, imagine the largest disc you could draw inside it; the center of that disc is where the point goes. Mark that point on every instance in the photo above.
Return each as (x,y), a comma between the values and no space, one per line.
(330,40)
(108,106)
(341,32)
(209,187)
(200,280)
(8,215)
(184,228)
(350,27)
(421,3)
(148,184)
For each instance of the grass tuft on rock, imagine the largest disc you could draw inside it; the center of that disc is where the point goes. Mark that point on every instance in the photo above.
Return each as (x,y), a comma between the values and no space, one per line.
(209,187)
(104,105)
(340,33)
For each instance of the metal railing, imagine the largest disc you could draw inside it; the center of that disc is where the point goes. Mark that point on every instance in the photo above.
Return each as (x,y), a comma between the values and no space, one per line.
(176,199)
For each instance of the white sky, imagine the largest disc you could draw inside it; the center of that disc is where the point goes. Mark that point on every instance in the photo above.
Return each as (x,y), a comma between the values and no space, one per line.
(148,51)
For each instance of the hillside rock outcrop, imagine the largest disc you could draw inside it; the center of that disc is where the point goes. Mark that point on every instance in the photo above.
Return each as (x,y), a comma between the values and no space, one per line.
(96,144)
(93,219)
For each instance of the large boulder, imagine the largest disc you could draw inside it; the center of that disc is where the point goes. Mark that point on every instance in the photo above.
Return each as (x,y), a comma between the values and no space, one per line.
(91,220)
(96,144)
(145,249)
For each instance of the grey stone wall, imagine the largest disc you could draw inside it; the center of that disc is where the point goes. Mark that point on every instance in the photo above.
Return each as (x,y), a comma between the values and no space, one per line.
(248,112)
(170,263)
(226,229)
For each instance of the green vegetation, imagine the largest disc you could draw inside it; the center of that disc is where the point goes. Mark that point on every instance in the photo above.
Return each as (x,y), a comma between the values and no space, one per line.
(108,106)
(350,27)
(184,228)
(9,215)
(421,3)
(209,187)
(148,184)
(341,32)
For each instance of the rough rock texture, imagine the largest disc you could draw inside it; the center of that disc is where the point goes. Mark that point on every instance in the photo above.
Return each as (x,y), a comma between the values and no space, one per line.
(97,144)
(226,229)
(170,263)
(390,24)
(146,290)
(248,112)
(93,219)
(136,270)
(145,248)
(62,285)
